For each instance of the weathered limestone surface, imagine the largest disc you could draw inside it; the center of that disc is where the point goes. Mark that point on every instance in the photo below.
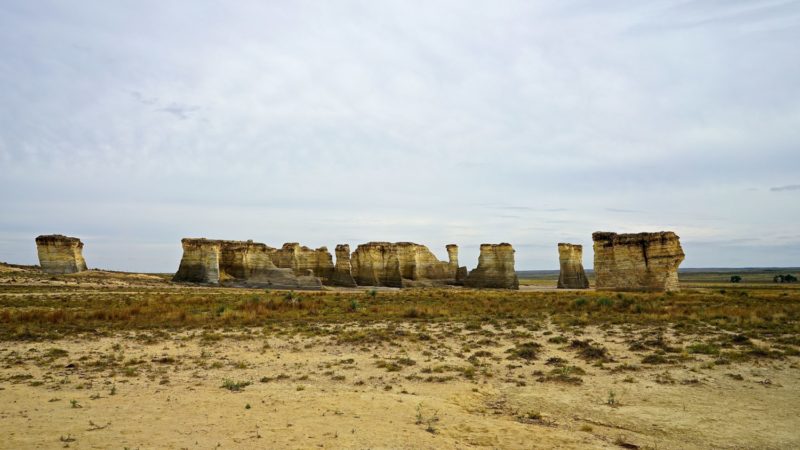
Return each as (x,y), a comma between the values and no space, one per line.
(461,272)
(637,262)
(376,264)
(572,275)
(400,264)
(242,263)
(301,258)
(495,268)
(60,254)
(200,261)
(342,275)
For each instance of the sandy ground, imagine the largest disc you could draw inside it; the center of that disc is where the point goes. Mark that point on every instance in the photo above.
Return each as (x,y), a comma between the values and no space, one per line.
(319,391)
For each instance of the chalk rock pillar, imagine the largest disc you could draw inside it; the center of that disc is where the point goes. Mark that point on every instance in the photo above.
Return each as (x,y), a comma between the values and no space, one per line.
(200,261)
(376,264)
(60,254)
(572,275)
(342,275)
(495,268)
(637,262)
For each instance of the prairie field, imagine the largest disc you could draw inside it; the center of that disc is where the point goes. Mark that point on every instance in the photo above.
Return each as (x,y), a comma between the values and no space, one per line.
(115,360)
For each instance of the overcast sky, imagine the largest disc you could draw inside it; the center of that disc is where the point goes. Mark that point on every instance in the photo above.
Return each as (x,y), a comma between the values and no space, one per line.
(134,124)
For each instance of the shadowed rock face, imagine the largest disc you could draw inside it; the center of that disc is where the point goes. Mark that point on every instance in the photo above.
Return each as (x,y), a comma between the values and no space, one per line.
(400,264)
(342,275)
(301,259)
(572,275)
(244,263)
(495,268)
(60,254)
(637,262)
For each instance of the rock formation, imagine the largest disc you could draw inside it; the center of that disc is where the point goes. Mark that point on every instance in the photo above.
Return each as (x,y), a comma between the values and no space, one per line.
(495,268)
(60,254)
(452,255)
(342,275)
(200,261)
(301,259)
(637,262)
(572,275)
(401,264)
(238,263)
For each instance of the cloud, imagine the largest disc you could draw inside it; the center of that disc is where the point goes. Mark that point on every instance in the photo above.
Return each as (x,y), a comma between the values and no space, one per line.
(141,98)
(328,123)
(625,211)
(179,110)
(788,187)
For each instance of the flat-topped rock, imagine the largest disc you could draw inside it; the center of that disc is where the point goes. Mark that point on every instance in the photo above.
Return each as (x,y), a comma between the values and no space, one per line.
(60,254)
(399,264)
(200,261)
(637,262)
(571,275)
(495,268)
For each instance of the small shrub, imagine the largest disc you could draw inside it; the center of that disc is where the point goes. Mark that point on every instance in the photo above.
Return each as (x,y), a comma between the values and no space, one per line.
(234,386)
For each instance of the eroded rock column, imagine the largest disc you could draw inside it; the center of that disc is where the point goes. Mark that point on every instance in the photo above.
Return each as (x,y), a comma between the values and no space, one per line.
(60,254)
(637,262)
(376,264)
(342,275)
(495,268)
(200,261)
(572,275)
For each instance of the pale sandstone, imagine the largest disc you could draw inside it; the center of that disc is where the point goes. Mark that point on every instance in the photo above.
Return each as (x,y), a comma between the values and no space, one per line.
(572,275)
(637,262)
(237,263)
(400,264)
(200,261)
(60,254)
(461,272)
(342,274)
(301,259)
(495,268)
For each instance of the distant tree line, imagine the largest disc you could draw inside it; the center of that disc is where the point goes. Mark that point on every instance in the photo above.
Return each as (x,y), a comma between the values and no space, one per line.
(788,278)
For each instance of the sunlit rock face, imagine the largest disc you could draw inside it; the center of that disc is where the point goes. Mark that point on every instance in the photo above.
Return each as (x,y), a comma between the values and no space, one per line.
(637,262)
(237,263)
(400,264)
(572,275)
(342,275)
(495,268)
(200,261)
(301,259)
(60,254)
(376,264)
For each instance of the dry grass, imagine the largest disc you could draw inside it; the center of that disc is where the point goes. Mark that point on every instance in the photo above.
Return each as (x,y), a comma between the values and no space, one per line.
(51,313)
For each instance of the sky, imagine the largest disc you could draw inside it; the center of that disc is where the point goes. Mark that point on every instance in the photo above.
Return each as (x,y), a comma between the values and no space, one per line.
(132,124)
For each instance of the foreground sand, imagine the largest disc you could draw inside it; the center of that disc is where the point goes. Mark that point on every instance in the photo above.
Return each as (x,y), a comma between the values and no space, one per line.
(345,388)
